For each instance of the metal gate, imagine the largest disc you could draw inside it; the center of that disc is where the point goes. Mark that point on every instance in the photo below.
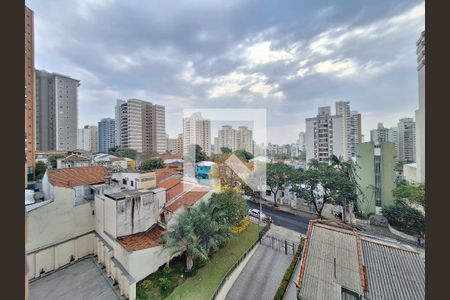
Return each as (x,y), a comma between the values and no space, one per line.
(288,247)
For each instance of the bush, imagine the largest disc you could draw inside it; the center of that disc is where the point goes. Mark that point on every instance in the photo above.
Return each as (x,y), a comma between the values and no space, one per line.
(164,283)
(405,218)
(236,229)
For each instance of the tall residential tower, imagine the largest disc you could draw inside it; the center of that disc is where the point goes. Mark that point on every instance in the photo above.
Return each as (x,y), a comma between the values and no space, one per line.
(106,134)
(420,113)
(30,112)
(197,131)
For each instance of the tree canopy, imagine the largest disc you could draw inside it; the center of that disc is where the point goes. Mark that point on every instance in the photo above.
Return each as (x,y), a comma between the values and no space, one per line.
(152,164)
(232,203)
(129,153)
(40,169)
(244,155)
(414,194)
(278,175)
(52,159)
(225,150)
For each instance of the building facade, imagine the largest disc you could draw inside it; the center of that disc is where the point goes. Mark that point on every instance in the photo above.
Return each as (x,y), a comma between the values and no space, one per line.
(197,131)
(56,111)
(301,141)
(30,112)
(407,140)
(420,113)
(117,110)
(175,145)
(106,134)
(376,176)
(244,139)
(142,126)
(87,138)
(355,132)
(325,136)
(381,134)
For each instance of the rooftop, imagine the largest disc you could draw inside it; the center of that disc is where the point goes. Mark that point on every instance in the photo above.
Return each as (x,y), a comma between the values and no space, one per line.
(143,240)
(188,198)
(169,183)
(72,177)
(166,156)
(337,257)
(163,174)
(76,157)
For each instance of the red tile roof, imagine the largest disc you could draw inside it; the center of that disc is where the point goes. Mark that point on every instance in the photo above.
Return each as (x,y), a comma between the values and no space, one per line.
(169,183)
(71,177)
(144,240)
(163,173)
(189,199)
(76,157)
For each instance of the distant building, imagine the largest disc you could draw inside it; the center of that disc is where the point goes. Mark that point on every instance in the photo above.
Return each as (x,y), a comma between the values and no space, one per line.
(351,266)
(420,113)
(175,145)
(30,90)
(142,126)
(355,132)
(87,138)
(375,176)
(117,118)
(106,134)
(56,111)
(301,141)
(393,138)
(73,161)
(325,135)
(407,140)
(227,138)
(197,131)
(381,134)
(244,139)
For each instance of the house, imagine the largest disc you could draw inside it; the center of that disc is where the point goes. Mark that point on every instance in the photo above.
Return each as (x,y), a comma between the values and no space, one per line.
(117,218)
(43,155)
(339,263)
(73,161)
(203,168)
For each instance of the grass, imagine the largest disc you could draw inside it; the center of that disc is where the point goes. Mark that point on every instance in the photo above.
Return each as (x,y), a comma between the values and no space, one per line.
(202,285)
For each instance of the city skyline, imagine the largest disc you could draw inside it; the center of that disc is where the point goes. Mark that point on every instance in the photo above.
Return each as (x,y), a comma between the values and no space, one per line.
(281,64)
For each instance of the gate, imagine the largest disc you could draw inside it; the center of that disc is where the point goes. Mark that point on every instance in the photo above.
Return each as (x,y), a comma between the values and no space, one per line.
(288,247)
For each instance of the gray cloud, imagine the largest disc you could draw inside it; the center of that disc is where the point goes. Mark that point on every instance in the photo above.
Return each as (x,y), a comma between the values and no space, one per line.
(288,57)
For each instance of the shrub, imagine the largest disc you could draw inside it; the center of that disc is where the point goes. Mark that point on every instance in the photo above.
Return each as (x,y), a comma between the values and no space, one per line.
(164,283)
(236,229)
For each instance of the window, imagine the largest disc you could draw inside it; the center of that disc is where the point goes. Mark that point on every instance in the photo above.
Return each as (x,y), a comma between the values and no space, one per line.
(132,183)
(124,181)
(349,295)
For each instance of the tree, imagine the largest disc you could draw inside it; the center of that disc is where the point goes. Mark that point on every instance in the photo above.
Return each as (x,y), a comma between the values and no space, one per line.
(322,183)
(225,150)
(302,155)
(113,150)
(405,218)
(278,175)
(181,237)
(281,156)
(52,159)
(232,203)
(152,164)
(412,194)
(245,155)
(40,169)
(130,153)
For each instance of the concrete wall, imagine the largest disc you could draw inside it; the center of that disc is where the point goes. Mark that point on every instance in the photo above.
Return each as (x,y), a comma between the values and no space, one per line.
(410,173)
(388,173)
(147,261)
(59,220)
(366,177)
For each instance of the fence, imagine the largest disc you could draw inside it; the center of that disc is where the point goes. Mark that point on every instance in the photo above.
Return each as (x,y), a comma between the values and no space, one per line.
(243,256)
(287,246)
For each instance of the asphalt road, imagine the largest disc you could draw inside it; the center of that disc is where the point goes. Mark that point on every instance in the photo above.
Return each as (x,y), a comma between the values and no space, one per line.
(298,223)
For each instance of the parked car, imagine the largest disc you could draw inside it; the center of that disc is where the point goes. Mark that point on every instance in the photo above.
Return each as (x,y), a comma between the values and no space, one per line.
(256,213)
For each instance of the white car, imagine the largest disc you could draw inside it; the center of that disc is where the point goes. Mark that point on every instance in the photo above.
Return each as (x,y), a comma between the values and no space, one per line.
(255,213)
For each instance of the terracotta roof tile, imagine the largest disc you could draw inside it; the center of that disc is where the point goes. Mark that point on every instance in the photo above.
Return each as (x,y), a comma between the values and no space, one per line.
(71,177)
(189,199)
(169,183)
(163,174)
(144,240)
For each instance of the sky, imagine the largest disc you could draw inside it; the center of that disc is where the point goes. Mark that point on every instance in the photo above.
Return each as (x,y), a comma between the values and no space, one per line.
(289,57)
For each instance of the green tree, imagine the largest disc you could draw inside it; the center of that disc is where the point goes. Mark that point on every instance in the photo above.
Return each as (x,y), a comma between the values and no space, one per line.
(113,150)
(225,150)
(405,218)
(302,155)
(233,205)
(40,169)
(322,183)
(181,237)
(152,164)
(412,194)
(278,175)
(52,159)
(130,153)
(244,155)
(281,156)
(200,155)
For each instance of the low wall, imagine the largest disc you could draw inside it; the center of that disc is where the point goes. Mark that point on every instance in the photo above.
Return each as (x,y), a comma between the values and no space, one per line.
(403,235)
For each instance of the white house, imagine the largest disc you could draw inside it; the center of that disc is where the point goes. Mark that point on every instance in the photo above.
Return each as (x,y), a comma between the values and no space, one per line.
(73,161)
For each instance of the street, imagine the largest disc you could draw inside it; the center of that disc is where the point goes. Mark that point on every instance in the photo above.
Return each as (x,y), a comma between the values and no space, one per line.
(298,223)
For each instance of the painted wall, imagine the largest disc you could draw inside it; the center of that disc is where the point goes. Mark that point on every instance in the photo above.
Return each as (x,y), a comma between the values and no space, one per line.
(388,173)
(59,220)
(146,261)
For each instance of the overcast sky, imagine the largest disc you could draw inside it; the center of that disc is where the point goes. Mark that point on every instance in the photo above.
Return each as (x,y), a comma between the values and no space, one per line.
(289,57)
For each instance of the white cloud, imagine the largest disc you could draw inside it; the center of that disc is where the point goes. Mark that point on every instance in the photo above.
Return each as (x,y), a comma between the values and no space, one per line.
(262,53)
(121,62)
(340,67)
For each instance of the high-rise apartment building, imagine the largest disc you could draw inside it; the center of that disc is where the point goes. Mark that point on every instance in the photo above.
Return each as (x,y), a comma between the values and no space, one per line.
(106,134)
(376,176)
(355,132)
(197,131)
(301,141)
(407,140)
(30,113)
(393,138)
(56,111)
(343,109)
(324,135)
(227,138)
(235,139)
(381,134)
(142,126)
(117,110)
(87,138)
(420,113)
(244,139)
(175,145)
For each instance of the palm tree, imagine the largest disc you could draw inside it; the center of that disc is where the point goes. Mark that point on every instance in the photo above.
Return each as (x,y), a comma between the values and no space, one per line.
(181,237)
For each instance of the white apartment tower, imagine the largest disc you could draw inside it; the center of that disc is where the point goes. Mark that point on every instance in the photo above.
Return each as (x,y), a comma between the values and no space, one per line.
(87,138)
(324,135)
(56,111)
(197,131)
(227,138)
(117,119)
(343,109)
(142,126)
(407,140)
(175,145)
(301,141)
(420,113)
(244,139)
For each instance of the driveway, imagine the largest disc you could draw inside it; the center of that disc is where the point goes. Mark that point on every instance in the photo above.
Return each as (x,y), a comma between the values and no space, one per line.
(82,280)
